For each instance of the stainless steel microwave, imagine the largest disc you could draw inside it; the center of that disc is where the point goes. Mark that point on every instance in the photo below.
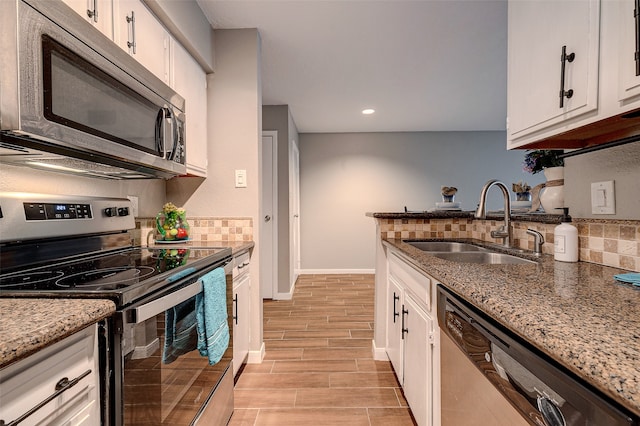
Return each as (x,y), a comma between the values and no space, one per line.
(71,100)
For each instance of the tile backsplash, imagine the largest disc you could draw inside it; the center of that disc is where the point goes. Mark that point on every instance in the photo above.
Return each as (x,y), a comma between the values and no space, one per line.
(228,229)
(606,242)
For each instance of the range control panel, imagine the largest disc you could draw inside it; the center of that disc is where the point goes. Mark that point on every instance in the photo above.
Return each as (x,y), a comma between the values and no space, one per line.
(54,211)
(28,216)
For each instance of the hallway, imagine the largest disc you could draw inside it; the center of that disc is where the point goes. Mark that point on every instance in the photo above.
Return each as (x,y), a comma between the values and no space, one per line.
(318,368)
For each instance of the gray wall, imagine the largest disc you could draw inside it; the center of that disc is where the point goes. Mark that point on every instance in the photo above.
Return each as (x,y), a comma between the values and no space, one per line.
(620,164)
(343,176)
(278,118)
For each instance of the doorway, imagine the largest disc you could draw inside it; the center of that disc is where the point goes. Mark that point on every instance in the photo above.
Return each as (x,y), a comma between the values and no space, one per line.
(268,220)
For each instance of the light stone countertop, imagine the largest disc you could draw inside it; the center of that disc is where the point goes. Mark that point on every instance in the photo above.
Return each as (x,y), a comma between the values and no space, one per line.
(29,325)
(576,313)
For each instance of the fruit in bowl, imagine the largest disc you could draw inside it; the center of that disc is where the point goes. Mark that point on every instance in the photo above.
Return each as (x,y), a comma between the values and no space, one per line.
(171,223)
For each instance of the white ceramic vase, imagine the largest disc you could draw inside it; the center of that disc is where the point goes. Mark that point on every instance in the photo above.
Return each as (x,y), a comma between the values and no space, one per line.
(552,197)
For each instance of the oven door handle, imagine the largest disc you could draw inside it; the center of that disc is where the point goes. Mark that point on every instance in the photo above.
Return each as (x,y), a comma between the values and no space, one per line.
(155,307)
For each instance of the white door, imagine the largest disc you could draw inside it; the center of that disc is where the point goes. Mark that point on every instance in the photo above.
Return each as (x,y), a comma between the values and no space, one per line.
(294,209)
(268,221)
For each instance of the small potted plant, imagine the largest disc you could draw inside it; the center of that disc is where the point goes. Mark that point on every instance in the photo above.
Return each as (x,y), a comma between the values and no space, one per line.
(522,191)
(538,160)
(551,193)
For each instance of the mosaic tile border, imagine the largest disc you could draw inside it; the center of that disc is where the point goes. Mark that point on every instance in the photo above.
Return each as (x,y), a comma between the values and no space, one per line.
(228,229)
(606,242)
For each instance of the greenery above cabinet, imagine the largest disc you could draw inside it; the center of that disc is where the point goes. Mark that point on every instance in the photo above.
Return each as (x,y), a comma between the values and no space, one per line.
(580,99)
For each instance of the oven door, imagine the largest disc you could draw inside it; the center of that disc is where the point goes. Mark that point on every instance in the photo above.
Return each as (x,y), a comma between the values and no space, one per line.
(76,94)
(169,384)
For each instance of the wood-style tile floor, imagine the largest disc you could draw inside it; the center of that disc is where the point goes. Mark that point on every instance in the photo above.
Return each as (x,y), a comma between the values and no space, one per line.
(318,368)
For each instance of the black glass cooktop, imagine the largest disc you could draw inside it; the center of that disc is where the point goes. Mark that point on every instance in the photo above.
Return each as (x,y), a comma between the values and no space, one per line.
(122,275)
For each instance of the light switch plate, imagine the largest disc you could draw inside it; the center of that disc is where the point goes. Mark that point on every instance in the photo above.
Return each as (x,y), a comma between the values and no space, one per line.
(603,198)
(241,178)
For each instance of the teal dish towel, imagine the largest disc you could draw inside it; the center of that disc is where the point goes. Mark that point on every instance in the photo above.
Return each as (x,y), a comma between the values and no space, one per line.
(630,278)
(181,335)
(211,316)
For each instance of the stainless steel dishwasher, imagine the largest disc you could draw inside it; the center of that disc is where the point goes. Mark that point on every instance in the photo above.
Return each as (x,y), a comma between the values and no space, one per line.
(491,377)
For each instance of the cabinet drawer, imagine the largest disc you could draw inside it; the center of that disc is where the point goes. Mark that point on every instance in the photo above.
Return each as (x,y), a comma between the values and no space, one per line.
(241,264)
(29,381)
(411,278)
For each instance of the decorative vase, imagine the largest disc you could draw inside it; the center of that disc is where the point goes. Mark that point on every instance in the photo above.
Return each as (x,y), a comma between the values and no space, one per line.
(523,196)
(172,225)
(552,196)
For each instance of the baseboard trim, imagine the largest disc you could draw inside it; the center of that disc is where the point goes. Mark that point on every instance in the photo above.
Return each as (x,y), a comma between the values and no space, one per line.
(256,357)
(379,354)
(336,271)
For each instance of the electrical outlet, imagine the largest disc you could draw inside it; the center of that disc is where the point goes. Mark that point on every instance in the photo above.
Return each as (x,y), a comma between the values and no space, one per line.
(603,198)
(134,205)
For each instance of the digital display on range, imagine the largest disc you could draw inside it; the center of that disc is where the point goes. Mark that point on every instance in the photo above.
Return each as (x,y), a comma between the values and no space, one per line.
(54,211)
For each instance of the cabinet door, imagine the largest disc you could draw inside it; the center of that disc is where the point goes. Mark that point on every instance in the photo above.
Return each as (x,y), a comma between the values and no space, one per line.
(418,357)
(629,46)
(241,318)
(394,327)
(98,13)
(143,36)
(537,32)
(190,81)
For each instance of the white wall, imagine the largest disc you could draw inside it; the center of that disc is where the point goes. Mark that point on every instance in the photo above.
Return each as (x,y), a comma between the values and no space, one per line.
(620,164)
(234,96)
(345,175)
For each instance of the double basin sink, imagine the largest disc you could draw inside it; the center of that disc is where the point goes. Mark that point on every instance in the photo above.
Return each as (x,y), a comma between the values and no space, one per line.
(466,253)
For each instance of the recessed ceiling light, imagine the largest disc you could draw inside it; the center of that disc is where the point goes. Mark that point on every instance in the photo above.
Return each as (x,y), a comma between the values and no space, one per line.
(368,111)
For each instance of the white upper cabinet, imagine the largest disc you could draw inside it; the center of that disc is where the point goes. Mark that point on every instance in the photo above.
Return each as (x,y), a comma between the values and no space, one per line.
(190,81)
(629,54)
(138,32)
(98,13)
(539,32)
(605,103)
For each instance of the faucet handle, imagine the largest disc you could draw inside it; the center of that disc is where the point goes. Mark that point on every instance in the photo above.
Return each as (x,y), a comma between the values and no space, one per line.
(538,240)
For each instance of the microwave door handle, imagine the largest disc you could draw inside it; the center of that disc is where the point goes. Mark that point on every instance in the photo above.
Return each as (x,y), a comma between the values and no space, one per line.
(174,132)
(160,132)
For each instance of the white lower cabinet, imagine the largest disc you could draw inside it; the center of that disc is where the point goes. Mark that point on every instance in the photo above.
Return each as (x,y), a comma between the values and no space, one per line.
(411,344)
(418,361)
(64,377)
(241,310)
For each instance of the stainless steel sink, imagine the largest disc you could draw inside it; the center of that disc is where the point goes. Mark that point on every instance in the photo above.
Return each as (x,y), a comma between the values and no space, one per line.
(445,246)
(485,257)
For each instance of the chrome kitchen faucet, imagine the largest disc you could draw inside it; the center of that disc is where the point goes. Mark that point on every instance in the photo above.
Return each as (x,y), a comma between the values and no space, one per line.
(504,231)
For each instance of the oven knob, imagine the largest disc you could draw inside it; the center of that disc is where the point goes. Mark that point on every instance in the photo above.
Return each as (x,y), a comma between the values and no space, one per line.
(110,212)
(123,211)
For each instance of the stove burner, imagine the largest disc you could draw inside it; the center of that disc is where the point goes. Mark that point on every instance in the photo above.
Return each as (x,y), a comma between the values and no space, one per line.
(121,276)
(29,279)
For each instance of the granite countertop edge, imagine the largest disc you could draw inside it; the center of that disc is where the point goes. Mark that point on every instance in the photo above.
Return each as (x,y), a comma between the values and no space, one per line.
(576,313)
(519,217)
(28,325)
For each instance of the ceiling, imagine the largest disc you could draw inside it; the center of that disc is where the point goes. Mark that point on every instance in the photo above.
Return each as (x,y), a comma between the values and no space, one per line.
(423,65)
